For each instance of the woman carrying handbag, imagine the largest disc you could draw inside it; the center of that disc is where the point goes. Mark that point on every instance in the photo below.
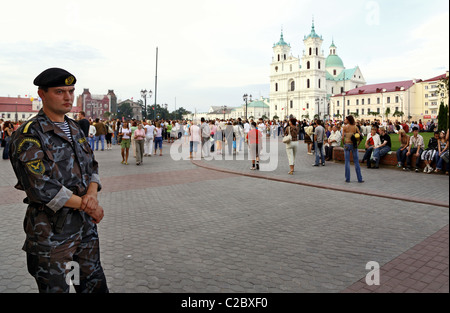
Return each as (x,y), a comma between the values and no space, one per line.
(290,139)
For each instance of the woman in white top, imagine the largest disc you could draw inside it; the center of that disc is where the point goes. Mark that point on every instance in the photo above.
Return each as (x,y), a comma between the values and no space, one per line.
(125,144)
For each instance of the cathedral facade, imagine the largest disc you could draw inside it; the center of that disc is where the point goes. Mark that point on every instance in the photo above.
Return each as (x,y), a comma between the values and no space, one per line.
(302,87)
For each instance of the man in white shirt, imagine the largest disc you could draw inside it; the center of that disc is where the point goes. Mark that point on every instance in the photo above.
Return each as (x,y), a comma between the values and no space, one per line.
(149,136)
(333,141)
(246,128)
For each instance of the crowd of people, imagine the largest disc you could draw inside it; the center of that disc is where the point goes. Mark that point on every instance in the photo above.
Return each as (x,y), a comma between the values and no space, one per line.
(220,136)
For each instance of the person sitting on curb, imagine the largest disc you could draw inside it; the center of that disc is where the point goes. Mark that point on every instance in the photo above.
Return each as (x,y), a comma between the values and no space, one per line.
(373,140)
(415,141)
(334,140)
(403,138)
(431,154)
(382,149)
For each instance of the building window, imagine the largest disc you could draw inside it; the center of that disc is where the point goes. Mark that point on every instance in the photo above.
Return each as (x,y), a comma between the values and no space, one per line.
(368,101)
(332,90)
(319,83)
(368,111)
(285,56)
(279,58)
(378,110)
(334,72)
(276,86)
(308,65)
(290,67)
(396,99)
(310,51)
(348,103)
(319,65)
(388,99)
(426,103)
(357,101)
(338,112)
(362,101)
(276,107)
(426,111)
(276,68)
(308,83)
(292,85)
(378,100)
(362,111)
(342,89)
(317,51)
(307,105)
(338,103)
(292,104)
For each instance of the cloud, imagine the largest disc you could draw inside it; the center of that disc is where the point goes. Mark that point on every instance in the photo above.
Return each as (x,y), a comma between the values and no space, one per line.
(423,53)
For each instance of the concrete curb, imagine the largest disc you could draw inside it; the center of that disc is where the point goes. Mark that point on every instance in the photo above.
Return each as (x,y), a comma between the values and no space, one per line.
(324,186)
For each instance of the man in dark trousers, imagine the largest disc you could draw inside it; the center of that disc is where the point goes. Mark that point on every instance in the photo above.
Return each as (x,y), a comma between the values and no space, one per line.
(56,168)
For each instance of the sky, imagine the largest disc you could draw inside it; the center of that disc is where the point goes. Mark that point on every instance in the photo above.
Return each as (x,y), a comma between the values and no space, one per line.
(211,52)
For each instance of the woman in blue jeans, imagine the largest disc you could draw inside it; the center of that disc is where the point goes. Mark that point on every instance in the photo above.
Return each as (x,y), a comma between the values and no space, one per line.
(349,130)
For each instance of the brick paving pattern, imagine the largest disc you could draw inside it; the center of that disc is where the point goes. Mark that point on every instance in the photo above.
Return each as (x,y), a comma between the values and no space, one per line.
(171,226)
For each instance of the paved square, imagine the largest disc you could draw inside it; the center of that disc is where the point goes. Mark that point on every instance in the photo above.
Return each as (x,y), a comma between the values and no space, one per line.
(176,226)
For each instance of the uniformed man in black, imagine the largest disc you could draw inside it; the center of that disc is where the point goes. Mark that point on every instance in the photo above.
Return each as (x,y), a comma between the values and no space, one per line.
(55,166)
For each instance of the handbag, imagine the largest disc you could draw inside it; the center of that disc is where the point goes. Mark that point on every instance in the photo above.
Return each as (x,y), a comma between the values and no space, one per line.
(445,157)
(287,139)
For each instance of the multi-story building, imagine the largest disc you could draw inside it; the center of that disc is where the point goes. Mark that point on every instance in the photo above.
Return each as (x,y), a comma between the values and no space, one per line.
(378,101)
(411,100)
(95,106)
(302,87)
(22,109)
(429,97)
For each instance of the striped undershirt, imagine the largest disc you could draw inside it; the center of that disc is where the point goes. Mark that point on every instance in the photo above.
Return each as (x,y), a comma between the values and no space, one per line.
(65,128)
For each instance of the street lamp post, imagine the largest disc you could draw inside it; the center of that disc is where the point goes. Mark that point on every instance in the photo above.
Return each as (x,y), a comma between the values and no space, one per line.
(144,95)
(224,110)
(246,97)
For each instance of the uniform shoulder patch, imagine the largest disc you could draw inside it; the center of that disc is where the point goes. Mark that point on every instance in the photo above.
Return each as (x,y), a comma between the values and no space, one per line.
(36,167)
(29,140)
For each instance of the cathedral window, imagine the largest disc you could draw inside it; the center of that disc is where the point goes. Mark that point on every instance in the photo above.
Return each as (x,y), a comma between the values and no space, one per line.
(319,83)
(319,65)
(308,83)
(292,104)
(310,51)
(278,58)
(293,86)
(285,56)
(276,86)
(334,72)
(317,51)
(308,65)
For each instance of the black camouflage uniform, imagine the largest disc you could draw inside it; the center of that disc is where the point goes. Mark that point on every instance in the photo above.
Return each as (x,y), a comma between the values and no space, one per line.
(50,168)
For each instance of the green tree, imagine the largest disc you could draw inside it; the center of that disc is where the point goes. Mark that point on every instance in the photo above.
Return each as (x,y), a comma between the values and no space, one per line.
(178,114)
(124,110)
(443,117)
(387,112)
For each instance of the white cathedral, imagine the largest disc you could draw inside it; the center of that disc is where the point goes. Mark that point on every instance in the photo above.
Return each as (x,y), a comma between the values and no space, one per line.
(302,87)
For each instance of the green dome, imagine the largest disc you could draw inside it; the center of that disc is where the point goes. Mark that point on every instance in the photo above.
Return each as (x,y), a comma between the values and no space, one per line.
(334,61)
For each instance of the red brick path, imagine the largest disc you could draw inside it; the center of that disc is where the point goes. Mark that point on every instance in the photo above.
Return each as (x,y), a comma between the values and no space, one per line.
(422,269)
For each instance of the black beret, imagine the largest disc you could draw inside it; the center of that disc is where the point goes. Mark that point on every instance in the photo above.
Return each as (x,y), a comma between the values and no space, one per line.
(54,77)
